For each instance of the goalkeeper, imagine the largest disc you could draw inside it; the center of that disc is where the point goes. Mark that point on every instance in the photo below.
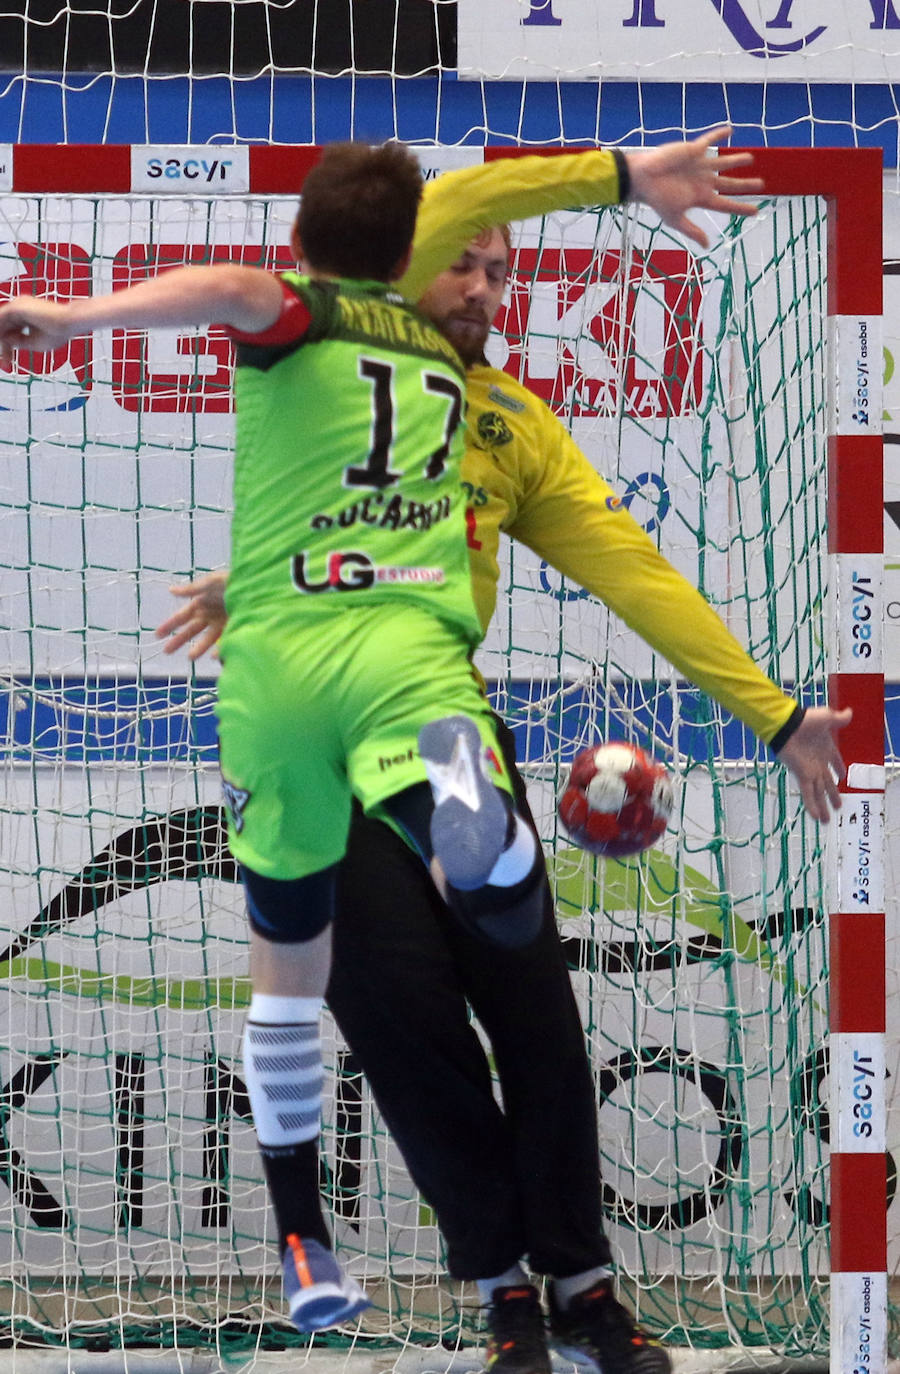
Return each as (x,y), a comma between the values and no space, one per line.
(522,1180)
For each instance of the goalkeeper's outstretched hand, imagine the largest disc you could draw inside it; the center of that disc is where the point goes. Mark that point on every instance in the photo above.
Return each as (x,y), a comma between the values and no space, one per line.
(813,757)
(202,620)
(677,177)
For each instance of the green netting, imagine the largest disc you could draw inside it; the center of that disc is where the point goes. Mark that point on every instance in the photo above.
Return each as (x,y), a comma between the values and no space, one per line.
(131,1208)
(703,968)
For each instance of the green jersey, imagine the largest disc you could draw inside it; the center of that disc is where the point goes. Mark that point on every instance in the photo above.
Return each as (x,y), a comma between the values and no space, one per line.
(347,451)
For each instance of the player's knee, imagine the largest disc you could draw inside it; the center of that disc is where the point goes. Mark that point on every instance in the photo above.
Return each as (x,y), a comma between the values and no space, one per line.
(290,911)
(507,916)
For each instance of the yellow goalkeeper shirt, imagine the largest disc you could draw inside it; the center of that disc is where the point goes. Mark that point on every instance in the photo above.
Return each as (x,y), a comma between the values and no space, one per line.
(537,486)
(525,476)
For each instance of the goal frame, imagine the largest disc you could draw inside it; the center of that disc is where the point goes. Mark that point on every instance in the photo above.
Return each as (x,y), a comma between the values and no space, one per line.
(849,181)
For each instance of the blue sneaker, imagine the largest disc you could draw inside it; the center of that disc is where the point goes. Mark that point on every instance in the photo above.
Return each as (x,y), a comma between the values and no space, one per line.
(318,1293)
(470,821)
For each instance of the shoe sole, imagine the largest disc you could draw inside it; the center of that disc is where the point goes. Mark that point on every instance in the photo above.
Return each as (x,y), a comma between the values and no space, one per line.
(582,1360)
(329,1304)
(467,831)
(579,1357)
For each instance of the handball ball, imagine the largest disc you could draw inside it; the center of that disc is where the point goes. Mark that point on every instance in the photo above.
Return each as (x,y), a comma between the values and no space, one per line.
(616,800)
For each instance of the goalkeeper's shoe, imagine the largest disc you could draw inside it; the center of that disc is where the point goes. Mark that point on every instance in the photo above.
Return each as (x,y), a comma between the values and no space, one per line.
(597,1333)
(319,1295)
(470,823)
(517,1338)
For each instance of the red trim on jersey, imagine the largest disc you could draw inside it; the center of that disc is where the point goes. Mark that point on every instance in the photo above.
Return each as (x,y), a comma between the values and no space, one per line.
(291,325)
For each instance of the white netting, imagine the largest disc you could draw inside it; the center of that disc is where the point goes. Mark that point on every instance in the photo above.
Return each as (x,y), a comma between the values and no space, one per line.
(134,1208)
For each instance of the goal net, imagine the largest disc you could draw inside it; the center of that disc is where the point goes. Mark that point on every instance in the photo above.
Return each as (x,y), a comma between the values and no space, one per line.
(132,1207)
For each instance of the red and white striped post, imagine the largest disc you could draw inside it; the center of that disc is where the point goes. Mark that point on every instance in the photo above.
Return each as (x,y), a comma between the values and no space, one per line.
(857,923)
(851,183)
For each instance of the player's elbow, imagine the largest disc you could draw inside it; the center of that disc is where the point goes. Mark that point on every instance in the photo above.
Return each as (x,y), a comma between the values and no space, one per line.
(246,298)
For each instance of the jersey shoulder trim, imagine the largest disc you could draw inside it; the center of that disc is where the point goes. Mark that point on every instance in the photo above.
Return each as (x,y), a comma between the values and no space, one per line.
(292,328)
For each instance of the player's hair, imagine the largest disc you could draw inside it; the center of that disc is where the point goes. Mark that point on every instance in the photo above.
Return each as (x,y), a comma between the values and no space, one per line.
(485,236)
(358,210)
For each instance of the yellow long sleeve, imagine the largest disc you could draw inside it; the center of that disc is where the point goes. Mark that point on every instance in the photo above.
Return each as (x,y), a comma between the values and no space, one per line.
(534,484)
(460,204)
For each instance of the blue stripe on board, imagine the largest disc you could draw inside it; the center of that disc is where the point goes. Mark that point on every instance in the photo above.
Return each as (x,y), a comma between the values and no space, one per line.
(298,109)
(103,720)
(158,721)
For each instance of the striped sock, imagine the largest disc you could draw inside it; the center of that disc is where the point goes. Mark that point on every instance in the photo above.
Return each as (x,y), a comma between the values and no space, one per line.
(283,1068)
(283,1073)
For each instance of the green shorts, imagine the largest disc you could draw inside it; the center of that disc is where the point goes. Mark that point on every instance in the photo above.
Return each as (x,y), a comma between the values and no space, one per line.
(311,714)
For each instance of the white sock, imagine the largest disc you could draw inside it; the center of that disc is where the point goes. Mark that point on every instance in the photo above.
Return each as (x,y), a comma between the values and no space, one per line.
(512,1278)
(564,1290)
(517,859)
(270,1010)
(283,1068)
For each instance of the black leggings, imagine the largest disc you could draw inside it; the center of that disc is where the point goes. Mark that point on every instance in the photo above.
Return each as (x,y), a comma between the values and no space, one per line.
(509,916)
(521,1180)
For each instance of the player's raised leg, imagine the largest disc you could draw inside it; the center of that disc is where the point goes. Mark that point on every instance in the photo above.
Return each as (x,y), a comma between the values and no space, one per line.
(471,820)
(477,836)
(429,761)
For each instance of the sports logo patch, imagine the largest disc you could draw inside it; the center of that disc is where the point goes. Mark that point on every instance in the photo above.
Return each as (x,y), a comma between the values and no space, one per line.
(491,760)
(236,799)
(493,429)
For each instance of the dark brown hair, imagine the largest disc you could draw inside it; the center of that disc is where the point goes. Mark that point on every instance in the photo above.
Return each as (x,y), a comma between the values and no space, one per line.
(358,210)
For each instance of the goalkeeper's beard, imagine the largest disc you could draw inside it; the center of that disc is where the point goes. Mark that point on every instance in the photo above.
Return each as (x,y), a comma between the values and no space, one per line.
(468,334)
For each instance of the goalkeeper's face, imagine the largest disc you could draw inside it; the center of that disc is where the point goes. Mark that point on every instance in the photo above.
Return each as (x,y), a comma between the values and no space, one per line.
(463,301)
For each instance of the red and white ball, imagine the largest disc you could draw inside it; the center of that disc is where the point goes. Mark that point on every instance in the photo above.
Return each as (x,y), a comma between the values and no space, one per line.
(616,801)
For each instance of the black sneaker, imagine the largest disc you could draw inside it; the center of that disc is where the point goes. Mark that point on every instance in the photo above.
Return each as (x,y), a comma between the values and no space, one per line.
(597,1333)
(517,1339)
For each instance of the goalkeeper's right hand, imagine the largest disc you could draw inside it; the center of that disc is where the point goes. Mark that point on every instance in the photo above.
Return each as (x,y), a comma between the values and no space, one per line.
(201,620)
(673,178)
(813,757)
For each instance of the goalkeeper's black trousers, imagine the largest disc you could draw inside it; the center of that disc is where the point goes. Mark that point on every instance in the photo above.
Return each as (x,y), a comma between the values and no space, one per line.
(505,1184)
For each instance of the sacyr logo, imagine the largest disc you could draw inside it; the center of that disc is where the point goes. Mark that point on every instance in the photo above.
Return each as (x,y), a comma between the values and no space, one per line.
(210,170)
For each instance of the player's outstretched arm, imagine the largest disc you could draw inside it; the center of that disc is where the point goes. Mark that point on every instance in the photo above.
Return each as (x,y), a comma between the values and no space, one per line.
(813,757)
(201,620)
(34,323)
(677,177)
(244,297)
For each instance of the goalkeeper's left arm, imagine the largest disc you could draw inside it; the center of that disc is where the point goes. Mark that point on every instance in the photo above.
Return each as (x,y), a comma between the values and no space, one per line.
(671,179)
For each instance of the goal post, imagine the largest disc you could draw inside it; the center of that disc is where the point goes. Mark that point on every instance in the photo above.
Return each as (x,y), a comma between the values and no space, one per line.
(733,399)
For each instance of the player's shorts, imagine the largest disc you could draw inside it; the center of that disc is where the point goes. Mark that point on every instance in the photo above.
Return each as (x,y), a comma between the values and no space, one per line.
(312,714)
